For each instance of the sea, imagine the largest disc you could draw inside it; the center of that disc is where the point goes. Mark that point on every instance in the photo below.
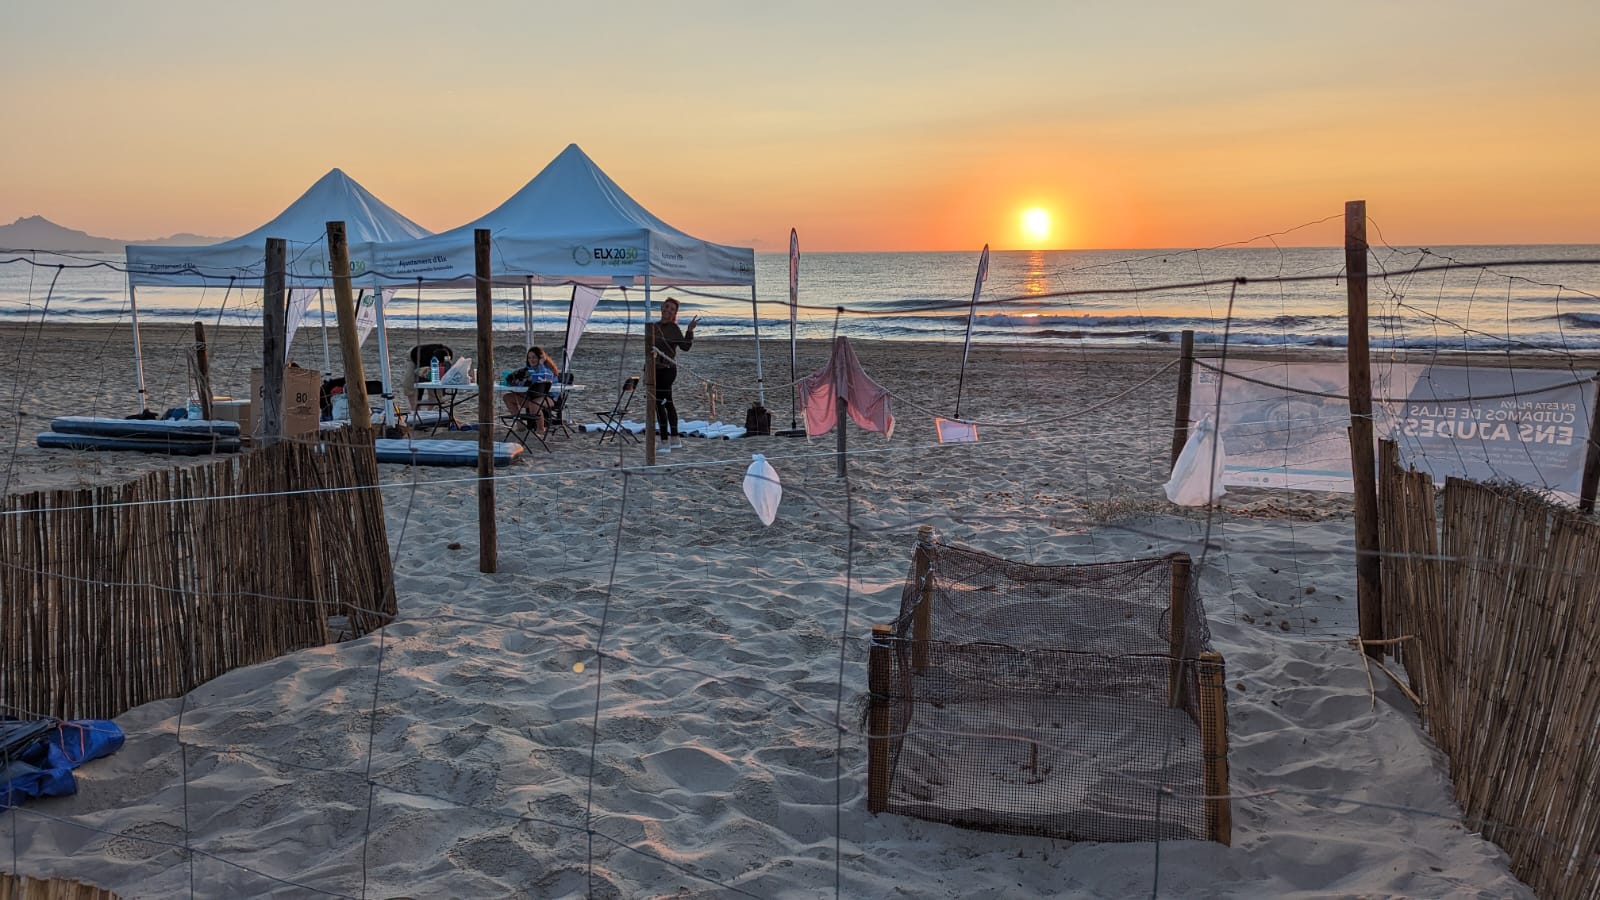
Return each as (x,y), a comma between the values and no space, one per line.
(1484,298)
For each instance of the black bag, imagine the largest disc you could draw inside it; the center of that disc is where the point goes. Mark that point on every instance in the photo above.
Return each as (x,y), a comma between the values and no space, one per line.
(758,420)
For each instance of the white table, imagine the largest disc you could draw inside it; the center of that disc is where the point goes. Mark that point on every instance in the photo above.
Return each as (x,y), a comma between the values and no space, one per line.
(450,396)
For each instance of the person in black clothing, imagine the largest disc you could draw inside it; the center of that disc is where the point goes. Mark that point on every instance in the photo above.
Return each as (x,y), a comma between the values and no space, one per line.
(669,340)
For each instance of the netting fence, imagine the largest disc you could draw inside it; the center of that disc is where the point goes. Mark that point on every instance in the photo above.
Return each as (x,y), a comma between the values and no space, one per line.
(1044,699)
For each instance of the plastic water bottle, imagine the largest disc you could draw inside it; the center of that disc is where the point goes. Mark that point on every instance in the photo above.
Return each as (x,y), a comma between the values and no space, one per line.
(195,412)
(433,369)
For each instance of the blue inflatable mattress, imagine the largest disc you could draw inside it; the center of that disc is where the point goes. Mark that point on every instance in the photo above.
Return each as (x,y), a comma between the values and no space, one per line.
(442,453)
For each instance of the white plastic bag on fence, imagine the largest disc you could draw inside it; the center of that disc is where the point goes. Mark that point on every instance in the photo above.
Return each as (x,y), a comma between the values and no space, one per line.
(1197,475)
(762,488)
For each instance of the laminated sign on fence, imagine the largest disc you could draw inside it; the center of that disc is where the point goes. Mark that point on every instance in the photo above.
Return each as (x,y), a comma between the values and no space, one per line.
(1285,424)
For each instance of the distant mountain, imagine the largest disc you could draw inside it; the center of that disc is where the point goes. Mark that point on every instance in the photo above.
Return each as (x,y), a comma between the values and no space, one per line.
(39,233)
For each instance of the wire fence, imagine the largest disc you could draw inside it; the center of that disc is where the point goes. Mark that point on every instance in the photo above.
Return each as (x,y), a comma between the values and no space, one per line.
(651,696)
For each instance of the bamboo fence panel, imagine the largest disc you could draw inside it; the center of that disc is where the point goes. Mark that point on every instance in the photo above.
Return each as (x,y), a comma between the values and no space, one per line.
(22,887)
(1500,590)
(117,595)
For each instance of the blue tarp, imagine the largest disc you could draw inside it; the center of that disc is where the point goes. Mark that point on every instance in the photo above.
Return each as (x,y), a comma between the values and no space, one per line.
(38,756)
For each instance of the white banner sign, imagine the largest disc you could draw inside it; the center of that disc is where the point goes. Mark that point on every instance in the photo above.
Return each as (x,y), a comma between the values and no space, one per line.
(1282,429)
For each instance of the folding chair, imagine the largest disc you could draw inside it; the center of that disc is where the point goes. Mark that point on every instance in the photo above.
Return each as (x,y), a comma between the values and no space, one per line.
(556,415)
(523,425)
(612,420)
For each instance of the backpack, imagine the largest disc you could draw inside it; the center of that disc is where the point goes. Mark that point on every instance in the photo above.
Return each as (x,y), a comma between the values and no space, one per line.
(758,420)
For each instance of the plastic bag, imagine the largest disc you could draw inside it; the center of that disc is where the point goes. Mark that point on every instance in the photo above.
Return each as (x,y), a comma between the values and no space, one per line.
(460,372)
(762,488)
(1197,475)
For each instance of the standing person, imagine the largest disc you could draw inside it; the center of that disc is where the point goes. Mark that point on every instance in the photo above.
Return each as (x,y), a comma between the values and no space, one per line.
(669,340)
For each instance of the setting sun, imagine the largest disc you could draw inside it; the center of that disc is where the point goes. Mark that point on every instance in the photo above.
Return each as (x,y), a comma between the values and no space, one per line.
(1036,224)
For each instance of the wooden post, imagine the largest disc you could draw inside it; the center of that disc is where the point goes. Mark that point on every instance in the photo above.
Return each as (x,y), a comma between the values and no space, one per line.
(878,680)
(1180,416)
(1591,459)
(202,368)
(1178,622)
(1214,744)
(921,617)
(649,393)
(488,540)
(1363,468)
(274,326)
(842,415)
(344,308)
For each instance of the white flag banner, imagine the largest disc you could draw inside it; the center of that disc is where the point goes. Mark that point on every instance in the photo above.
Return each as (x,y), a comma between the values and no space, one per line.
(584,300)
(299,302)
(367,312)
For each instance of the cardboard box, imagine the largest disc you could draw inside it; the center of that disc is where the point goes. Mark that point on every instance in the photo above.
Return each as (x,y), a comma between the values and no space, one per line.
(302,402)
(233,411)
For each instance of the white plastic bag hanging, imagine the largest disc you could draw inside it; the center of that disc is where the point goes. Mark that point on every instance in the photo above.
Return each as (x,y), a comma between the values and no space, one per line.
(1197,475)
(762,488)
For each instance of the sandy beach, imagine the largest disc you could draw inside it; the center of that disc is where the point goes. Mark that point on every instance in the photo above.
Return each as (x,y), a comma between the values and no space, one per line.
(461,751)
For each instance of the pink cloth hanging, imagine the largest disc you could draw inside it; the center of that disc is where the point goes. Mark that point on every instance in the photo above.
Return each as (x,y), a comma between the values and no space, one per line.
(867,401)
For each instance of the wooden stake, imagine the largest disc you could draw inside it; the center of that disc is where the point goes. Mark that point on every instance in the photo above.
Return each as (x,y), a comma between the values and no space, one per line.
(1214,743)
(1180,416)
(1178,622)
(202,368)
(1369,592)
(921,617)
(344,307)
(488,541)
(878,680)
(1591,459)
(274,340)
(650,393)
(842,416)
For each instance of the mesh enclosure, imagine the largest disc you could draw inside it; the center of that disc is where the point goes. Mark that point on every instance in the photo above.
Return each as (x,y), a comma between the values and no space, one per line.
(1051,700)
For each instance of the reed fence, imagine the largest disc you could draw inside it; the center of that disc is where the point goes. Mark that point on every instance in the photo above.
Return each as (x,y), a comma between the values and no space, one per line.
(21,887)
(1499,590)
(117,595)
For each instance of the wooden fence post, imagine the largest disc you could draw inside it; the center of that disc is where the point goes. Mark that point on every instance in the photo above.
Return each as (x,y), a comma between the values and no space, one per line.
(842,416)
(488,538)
(1591,459)
(1180,416)
(202,369)
(344,309)
(274,326)
(1369,589)
(921,617)
(878,678)
(1214,744)
(1178,625)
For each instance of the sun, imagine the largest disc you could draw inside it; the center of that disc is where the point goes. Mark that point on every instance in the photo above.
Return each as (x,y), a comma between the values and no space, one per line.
(1036,224)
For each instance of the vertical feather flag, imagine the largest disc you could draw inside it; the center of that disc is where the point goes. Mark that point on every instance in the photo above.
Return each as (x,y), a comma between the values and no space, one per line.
(977,288)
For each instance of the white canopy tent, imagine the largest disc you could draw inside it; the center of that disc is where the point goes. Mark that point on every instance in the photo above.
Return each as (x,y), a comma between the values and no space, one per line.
(570,225)
(241,262)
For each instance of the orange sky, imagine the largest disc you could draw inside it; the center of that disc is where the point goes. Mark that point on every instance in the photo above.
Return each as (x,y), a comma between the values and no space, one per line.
(865,126)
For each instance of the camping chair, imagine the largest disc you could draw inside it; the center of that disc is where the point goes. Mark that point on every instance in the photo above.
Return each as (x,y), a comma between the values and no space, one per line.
(523,425)
(428,412)
(611,422)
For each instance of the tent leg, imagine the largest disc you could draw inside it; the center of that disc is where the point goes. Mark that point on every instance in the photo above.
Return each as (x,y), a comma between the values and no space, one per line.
(383,356)
(327,357)
(138,350)
(755,320)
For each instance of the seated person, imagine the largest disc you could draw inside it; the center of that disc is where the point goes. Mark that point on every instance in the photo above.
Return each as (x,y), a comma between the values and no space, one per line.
(422,357)
(540,369)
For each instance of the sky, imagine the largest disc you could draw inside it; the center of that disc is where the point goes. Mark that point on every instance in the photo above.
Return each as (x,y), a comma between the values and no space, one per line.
(866,126)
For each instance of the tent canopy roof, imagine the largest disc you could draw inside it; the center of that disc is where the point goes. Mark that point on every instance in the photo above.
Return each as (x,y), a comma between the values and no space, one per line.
(335,197)
(570,224)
